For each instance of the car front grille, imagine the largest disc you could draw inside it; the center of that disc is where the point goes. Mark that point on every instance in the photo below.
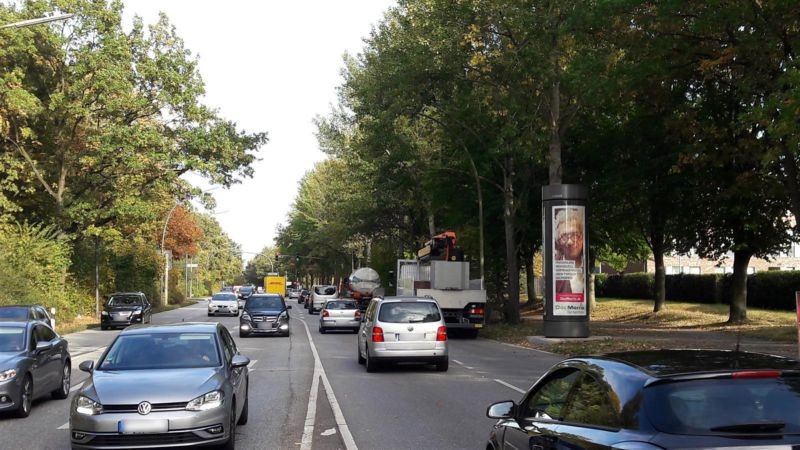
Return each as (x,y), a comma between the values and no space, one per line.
(127,440)
(155,407)
(264,318)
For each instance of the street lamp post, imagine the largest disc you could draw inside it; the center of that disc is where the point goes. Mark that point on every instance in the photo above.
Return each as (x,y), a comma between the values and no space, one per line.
(37,21)
(166,254)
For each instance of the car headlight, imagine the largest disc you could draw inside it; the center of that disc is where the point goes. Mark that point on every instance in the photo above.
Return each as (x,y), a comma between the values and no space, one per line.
(205,402)
(8,374)
(136,311)
(104,313)
(245,316)
(87,406)
(283,315)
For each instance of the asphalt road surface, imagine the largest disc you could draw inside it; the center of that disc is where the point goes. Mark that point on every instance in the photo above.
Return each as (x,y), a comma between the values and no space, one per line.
(308,391)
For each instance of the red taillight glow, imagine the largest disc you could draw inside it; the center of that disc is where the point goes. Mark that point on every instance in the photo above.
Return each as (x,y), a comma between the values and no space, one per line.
(476,311)
(756,374)
(326,314)
(358,314)
(441,334)
(377,334)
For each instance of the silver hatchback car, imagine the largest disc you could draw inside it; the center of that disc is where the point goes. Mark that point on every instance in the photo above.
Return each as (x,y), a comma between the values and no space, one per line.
(403,329)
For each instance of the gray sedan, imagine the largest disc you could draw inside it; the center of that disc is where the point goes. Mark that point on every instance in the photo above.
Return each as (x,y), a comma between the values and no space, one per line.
(163,386)
(34,361)
(340,315)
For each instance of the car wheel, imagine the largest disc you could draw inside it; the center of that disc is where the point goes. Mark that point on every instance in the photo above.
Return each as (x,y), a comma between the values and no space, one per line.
(103,327)
(25,398)
(371,364)
(243,334)
(63,390)
(243,417)
(209,314)
(321,329)
(443,365)
(230,444)
(361,359)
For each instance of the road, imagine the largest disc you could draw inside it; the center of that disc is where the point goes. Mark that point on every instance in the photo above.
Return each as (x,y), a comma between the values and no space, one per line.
(404,407)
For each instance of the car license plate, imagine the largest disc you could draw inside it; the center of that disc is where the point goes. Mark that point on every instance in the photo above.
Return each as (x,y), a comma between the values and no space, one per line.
(478,325)
(143,426)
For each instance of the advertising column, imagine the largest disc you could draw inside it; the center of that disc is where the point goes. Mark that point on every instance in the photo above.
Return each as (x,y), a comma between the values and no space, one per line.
(565,261)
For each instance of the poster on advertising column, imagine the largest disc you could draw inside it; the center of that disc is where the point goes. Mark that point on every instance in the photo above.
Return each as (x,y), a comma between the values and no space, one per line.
(569,261)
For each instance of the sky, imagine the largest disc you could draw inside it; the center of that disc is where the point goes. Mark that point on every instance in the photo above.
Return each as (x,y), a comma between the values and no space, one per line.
(269,65)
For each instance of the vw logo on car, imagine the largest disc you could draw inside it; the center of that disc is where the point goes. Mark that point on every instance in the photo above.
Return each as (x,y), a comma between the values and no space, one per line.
(145,408)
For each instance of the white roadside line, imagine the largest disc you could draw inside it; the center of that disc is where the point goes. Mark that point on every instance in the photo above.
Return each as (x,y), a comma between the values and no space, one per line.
(511,386)
(319,372)
(311,412)
(458,362)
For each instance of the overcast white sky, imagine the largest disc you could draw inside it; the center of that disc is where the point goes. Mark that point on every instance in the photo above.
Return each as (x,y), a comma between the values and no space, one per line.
(272,66)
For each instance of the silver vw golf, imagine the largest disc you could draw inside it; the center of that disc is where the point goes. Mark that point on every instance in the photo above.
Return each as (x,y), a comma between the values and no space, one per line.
(162,386)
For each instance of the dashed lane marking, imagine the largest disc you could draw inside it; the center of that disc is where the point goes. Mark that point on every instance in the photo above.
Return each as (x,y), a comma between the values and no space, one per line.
(511,386)
(458,362)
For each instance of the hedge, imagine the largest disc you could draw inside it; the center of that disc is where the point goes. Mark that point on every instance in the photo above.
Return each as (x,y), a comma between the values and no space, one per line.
(766,290)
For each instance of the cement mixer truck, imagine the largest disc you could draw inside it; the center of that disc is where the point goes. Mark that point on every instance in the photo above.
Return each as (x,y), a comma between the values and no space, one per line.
(362,285)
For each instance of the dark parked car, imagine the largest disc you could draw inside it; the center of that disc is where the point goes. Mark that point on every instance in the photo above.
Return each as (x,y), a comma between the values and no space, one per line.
(654,400)
(304,295)
(34,361)
(126,308)
(160,386)
(264,314)
(246,291)
(24,313)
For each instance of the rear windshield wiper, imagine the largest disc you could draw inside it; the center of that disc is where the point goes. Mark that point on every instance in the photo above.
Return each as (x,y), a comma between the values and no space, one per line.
(758,427)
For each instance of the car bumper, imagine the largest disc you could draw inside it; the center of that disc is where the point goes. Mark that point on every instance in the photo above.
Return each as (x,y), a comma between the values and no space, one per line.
(186,428)
(119,321)
(340,323)
(278,329)
(223,309)
(427,355)
(10,393)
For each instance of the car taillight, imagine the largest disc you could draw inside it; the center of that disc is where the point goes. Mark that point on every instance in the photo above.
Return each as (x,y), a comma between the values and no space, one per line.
(441,334)
(326,313)
(756,374)
(476,311)
(377,334)
(358,314)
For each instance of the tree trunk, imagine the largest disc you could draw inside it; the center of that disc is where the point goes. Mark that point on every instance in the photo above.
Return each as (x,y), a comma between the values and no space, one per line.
(660,291)
(512,303)
(554,167)
(480,215)
(738,300)
(529,280)
(431,219)
(789,163)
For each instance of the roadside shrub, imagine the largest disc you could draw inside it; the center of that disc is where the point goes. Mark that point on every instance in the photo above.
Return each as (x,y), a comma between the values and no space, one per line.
(773,289)
(695,288)
(630,285)
(600,280)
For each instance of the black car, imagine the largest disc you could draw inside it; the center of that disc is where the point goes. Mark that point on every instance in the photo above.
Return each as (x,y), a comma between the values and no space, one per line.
(34,361)
(304,295)
(27,312)
(264,314)
(654,400)
(246,291)
(125,308)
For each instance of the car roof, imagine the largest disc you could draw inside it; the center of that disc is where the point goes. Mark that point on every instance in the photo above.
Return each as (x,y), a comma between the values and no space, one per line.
(265,294)
(180,327)
(668,363)
(403,298)
(17,323)
(19,306)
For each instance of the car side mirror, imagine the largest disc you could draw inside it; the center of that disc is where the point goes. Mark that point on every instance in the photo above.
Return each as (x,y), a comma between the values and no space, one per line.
(43,346)
(239,361)
(502,410)
(289,307)
(86,366)
(53,312)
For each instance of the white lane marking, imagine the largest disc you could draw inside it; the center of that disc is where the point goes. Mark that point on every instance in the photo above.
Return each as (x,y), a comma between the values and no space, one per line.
(458,362)
(252,364)
(64,427)
(76,387)
(328,432)
(311,413)
(347,438)
(509,386)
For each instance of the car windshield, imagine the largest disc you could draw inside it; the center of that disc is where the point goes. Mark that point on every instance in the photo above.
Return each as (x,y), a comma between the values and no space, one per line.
(264,303)
(409,312)
(341,305)
(725,406)
(12,339)
(223,297)
(14,312)
(325,290)
(162,351)
(246,290)
(125,300)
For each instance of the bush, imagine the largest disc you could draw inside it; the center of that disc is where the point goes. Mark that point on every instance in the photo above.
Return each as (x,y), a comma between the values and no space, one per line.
(631,285)
(773,289)
(696,288)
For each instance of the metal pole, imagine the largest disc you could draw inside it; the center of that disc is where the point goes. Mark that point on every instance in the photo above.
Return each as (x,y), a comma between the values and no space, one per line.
(97,276)
(40,20)
(166,278)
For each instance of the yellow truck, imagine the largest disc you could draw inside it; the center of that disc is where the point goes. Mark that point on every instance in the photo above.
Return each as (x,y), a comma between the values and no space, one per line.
(275,285)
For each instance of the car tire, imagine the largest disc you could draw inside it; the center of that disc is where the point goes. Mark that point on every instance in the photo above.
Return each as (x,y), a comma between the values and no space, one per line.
(230,444)
(370,363)
(242,334)
(443,365)
(63,390)
(321,329)
(243,418)
(209,314)
(25,398)
(361,359)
